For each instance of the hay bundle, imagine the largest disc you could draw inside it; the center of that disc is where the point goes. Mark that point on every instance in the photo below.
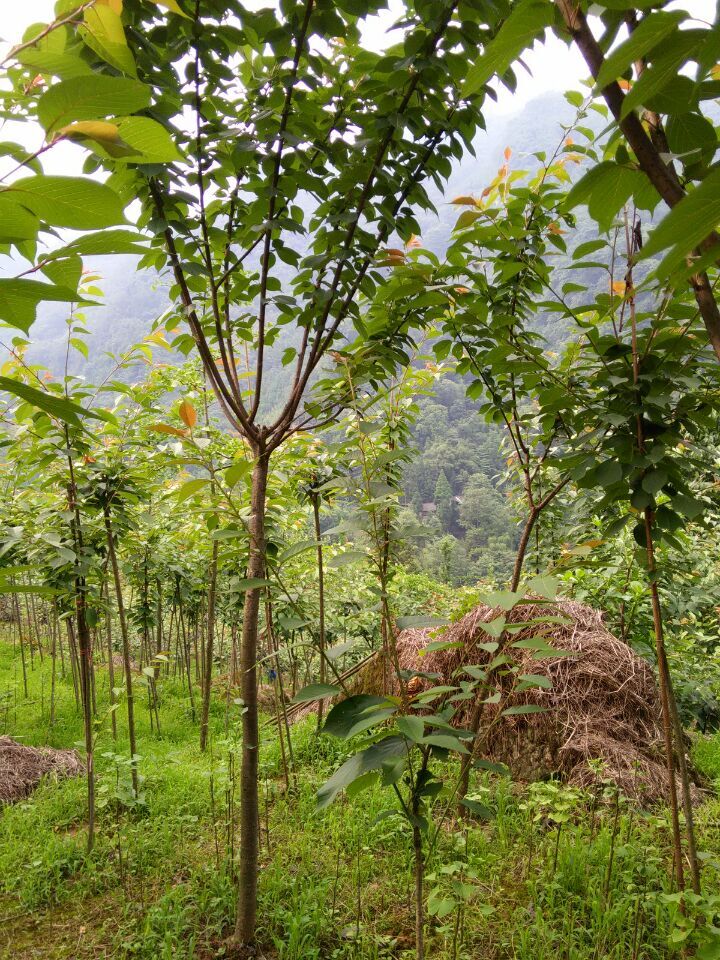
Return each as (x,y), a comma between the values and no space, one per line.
(22,768)
(603,703)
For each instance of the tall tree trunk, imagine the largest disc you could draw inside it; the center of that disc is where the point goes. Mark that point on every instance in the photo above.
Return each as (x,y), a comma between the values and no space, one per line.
(207,677)
(522,547)
(85,661)
(126,648)
(249,839)
(321,602)
(111,665)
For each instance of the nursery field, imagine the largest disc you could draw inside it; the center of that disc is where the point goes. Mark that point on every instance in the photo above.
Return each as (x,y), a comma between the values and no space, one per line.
(553,873)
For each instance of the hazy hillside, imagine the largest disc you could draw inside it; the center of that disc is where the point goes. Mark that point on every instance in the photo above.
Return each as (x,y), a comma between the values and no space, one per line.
(133,300)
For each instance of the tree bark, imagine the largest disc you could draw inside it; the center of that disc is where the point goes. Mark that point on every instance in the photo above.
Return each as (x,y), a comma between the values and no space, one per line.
(209,647)
(660,174)
(249,839)
(321,603)
(126,648)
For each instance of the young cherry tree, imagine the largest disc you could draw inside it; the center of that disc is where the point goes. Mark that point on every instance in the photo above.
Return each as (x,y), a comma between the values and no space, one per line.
(299,153)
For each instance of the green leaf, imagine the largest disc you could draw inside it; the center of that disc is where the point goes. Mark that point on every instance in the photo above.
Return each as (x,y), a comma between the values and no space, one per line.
(103,32)
(16,222)
(687,224)
(530,680)
(664,69)
(150,141)
(60,407)
(543,586)
(523,709)
(480,810)
(190,488)
(83,99)
(605,189)
(505,599)
(81,204)
(345,559)
(420,622)
(316,691)
(236,471)
(654,481)
(368,760)
(446,742)
(645,37)
(607,473)
(526,22)
(19,299)
(346,714)
(411,727)
(251,583)
(109,241)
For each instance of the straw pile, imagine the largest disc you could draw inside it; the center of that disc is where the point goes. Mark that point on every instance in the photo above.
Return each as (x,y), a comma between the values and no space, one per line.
(22,768)
(603,703)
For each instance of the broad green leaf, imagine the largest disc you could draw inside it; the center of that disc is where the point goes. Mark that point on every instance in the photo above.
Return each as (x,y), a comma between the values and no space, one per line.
(75,202)
(173,6)
(16,221)
(544,586)
(368,760)
(316,691)
(420,622)
(346,714)
(51,403)
(525,24)
(505,599)
(663,70)
(522,710)
(687,224)
(645,37)
(346,558)
(109,241)
(477,809)
(101,132)
(251,583)
(236,471)
(79,99)
(446,742)
(411,727)
(605,189)
(19,299)
(149,140)
(103,32)
(190,488)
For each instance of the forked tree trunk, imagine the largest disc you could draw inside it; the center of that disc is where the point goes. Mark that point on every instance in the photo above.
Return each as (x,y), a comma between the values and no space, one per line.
(207,674)
(249,839)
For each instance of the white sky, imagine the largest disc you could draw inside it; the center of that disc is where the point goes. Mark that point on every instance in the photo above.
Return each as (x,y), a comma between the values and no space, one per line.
(553,65)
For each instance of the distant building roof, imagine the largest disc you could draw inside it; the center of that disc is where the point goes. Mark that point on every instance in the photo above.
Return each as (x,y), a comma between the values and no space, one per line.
(429,508)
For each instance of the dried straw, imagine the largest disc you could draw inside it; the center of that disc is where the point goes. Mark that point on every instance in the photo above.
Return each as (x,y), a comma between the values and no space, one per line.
(22,768)
(603,703)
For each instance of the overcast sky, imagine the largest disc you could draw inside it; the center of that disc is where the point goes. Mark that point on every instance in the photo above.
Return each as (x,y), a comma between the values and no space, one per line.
(553,65)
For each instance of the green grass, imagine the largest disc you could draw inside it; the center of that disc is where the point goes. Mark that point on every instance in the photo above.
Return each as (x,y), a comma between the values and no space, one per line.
(160,881)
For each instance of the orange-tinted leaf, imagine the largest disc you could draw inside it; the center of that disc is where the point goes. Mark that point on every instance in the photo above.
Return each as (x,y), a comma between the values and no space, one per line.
(464,201)
(187,413)
(508,153)
(624,84)
(619,287)
(166,428)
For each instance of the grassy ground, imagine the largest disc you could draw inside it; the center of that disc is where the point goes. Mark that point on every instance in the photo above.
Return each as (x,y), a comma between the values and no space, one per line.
(553,875)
